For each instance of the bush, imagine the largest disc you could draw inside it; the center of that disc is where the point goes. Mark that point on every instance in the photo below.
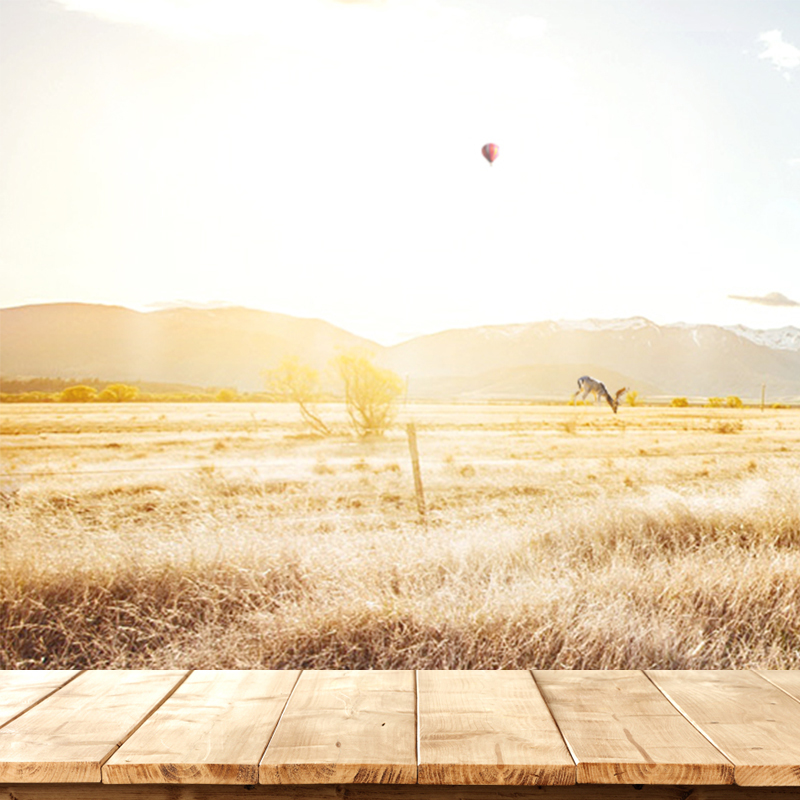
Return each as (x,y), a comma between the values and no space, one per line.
(715,402)
(733,402)
(78,394)
(370,392)
(632,398)
(679,402)
(296,382)
(118,393)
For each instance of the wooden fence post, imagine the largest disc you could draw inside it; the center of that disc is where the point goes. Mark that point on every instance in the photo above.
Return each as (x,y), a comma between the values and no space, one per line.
(411,429)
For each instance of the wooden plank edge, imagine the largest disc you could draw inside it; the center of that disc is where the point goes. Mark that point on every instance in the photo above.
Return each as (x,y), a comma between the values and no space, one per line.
(768,775)
(314,774)
(185,775)
(99,791)
(493,775)
(31,772)
(605,773)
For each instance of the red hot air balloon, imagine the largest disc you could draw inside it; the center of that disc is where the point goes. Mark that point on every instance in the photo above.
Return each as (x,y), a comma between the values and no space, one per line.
(490,152)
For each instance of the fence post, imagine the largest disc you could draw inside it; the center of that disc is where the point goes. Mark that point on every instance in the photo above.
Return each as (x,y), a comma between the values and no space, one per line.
(411,429)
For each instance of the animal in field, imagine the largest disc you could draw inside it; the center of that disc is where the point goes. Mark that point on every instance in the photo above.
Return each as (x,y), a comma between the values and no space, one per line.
(587,386)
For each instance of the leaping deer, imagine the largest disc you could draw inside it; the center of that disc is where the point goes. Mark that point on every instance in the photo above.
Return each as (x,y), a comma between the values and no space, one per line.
(587,386)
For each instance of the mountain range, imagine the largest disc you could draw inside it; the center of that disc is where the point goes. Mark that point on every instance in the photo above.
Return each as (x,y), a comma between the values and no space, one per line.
(232,347)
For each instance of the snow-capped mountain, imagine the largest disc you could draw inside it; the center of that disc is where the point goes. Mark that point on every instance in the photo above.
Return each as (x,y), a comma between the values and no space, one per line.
(546,358)
(787,338)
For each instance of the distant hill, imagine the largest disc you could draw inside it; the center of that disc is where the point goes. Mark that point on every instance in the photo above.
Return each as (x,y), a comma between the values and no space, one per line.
(541,360)
(201,347)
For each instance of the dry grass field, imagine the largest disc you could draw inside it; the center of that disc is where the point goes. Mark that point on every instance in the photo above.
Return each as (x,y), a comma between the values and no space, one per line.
(223,536)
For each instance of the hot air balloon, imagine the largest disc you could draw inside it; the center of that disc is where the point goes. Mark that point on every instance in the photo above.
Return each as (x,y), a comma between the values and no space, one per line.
(490,152)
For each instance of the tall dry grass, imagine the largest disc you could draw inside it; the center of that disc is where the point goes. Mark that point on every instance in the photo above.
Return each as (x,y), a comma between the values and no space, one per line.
(556,567)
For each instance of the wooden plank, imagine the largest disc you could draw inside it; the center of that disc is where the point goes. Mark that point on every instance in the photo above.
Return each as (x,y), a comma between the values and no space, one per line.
(786,679)
(345,726)
(488,727)
(21,689)
(356,791)
(755,724)
(68,736)
(214,729)
(621,729)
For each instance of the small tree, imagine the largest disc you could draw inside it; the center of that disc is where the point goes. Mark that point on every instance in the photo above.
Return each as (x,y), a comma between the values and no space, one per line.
(298,383)
(78,394)
(118,393)
(679,402)
(371,392)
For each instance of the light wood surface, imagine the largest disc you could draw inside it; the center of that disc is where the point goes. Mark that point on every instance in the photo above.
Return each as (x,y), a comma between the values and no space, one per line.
(22,689)
(68,736)
(487,727)
(468,732)
(214,729)
(345,726)
(751,721)
(620,729)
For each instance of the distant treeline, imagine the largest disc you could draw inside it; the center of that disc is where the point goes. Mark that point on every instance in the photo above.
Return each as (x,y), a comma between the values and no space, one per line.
(88,390)
(19,385)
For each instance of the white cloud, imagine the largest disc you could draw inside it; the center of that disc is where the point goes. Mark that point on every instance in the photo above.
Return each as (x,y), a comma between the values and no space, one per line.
(782,54)
(527,27)
(771,299)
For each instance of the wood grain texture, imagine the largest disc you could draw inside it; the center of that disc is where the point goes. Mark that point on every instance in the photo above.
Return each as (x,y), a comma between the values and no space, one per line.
(345,726)
(753,723)
(214,729)
(68,736)
(488,727)
(355,791)
(21,689)
(621,729)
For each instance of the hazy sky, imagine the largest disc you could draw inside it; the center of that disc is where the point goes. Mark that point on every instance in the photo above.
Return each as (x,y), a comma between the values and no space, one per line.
(321,158)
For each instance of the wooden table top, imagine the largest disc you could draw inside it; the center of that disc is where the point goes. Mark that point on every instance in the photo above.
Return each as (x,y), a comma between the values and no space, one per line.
(490,728)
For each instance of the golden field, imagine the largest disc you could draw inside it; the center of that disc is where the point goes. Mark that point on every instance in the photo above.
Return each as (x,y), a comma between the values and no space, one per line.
(224,536)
